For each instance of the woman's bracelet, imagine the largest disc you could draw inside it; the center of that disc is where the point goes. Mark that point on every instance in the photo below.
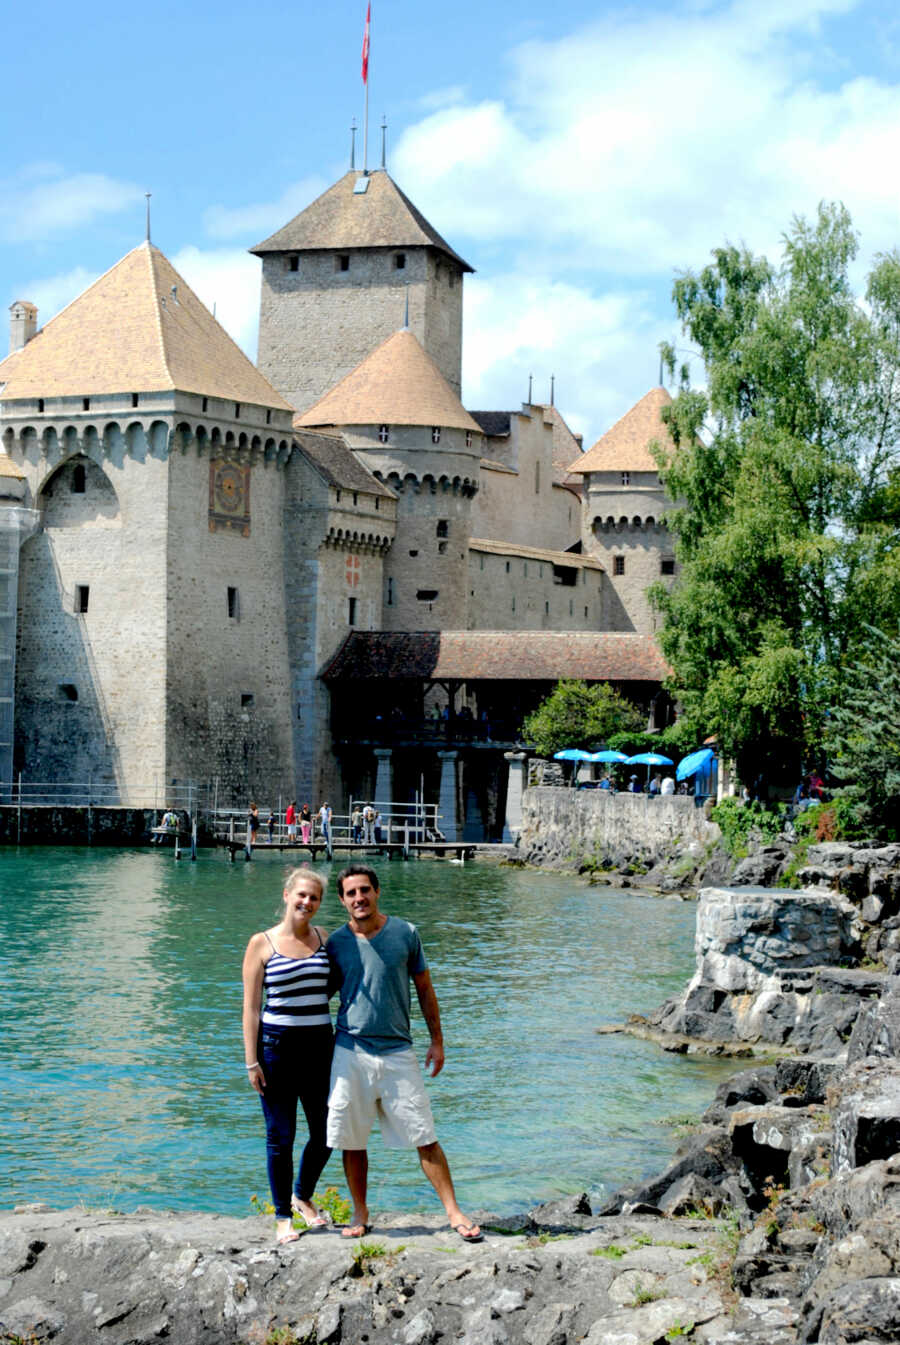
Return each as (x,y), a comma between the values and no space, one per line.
(255,1065)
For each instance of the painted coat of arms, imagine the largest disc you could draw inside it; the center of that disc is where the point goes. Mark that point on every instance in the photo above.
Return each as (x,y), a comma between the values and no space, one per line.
(229,497)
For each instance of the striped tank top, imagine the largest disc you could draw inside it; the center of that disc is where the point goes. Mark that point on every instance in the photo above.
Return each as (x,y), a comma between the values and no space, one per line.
(296,990)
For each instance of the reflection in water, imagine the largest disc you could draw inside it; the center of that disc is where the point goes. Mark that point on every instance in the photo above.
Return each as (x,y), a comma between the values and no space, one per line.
(122,1067)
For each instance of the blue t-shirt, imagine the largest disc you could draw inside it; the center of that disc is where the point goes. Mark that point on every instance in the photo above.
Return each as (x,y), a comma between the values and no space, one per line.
(374,979)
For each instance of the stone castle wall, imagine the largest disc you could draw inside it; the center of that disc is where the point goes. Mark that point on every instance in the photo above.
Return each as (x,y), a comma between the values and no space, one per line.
(318,323)
(522,504)
(512,593)
(90,700)
(228,679)
(639,551)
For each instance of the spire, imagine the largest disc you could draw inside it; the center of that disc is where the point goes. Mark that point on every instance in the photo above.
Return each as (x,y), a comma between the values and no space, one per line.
(383,140)
(552,387)
(530,381)
(353,146)
(148,195)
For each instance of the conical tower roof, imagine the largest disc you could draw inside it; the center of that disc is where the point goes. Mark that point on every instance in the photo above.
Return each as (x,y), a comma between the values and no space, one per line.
(381,216)
(625,447)
(139,328)
(398,384)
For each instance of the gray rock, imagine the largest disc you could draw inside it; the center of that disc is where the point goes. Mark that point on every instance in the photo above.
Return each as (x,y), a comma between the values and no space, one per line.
(552,1325)
(877,1028)
(762,868)
(419,1331)
(864,1311)
(690,1194)
(559,1216)
(866,1115)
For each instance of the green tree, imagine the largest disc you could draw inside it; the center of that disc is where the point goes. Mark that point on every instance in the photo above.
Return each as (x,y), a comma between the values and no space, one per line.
(786,517)
(578,714)
(864,738)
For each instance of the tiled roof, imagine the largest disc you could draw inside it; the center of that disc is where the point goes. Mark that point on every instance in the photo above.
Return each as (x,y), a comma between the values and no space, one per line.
(128,333)
(625,446)
(572,558)
(398,384)
(501,656)
(8,467)
(338,464)
(493,422)
(380,217)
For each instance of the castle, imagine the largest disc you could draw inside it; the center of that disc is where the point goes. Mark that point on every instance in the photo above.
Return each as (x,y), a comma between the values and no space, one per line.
(321,577)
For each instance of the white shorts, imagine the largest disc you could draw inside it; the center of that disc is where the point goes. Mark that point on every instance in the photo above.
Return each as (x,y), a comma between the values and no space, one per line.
(292,830)
(389,1087)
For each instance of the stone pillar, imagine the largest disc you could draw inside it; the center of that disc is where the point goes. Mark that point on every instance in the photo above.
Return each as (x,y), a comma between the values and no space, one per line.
(447,804)
(383,776)
(514,790)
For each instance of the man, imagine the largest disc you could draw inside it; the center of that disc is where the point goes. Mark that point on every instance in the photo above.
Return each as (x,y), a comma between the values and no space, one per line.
(325,822)
(369,824)
(375,1071)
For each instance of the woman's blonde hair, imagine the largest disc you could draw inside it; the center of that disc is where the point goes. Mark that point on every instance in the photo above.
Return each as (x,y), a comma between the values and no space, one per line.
(304,872)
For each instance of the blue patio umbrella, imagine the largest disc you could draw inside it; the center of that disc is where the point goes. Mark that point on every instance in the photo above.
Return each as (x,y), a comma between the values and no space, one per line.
(572,754)
(648,759)
(690,765)
(608,755)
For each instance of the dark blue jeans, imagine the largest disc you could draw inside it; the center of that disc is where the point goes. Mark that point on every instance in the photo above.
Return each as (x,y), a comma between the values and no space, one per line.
(297,1064)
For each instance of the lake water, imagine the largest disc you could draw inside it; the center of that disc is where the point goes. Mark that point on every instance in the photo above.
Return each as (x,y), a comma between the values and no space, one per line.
(121,1062)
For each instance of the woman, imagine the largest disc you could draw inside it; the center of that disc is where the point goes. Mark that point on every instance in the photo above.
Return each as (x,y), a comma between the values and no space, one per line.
(288,1045)
(305,823)
(253,822)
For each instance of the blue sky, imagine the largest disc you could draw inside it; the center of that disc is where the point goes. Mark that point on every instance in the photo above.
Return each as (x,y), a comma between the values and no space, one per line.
(576,155)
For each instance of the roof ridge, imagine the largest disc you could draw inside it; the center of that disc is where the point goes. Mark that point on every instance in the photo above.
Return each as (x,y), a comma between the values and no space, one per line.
(157,310)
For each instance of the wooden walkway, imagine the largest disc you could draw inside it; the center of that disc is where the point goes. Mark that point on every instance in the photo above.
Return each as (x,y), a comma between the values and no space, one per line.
(461,850)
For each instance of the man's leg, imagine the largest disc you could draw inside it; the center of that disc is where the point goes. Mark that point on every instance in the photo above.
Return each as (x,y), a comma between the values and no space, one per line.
(356,1170)
(437,1170)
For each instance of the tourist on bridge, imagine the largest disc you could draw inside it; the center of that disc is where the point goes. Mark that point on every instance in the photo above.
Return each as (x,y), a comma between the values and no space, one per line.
(288,1046)
(252,823)
(375,1071)
(325,823)
(290,820)
(305,823)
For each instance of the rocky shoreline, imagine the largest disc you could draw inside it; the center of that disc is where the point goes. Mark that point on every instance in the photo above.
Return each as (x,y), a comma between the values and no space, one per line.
(777,1221)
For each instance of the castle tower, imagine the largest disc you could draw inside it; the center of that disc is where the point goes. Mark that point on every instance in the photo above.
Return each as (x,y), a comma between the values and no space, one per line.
(623,504)
(333,285)
(408,427)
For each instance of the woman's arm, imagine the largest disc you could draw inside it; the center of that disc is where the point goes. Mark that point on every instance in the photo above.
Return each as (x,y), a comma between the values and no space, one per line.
(252,973)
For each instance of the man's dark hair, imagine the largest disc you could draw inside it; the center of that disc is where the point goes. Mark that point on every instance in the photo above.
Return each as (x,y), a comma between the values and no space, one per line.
(356,870)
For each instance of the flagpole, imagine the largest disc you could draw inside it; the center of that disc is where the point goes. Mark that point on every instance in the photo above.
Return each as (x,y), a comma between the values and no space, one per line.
(365,75)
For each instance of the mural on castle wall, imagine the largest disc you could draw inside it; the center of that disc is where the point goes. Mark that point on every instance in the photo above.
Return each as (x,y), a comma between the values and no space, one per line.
(229,497)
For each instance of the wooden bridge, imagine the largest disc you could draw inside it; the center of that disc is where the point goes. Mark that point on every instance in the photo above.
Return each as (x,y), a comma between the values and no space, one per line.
(393,849)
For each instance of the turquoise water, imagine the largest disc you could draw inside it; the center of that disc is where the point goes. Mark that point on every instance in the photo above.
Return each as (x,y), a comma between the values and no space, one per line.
(121,1062)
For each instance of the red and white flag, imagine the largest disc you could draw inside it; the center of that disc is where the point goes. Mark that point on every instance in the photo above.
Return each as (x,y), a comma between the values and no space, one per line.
(365,49)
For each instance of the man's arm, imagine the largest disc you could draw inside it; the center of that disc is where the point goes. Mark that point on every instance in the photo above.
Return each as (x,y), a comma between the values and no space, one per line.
(432,1015)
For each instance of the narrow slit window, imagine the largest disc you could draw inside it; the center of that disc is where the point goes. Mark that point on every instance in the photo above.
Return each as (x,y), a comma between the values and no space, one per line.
(233,603)
(351,611)
(135,398)
(293,263)
(618,564)
(443,528)
(85,403)
(626,478)
(342,261)
(384,433)
(82,598)
(78,479)
(400,261)
(390,592)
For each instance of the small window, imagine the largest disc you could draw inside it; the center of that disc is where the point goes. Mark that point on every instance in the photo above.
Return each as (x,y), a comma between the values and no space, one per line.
(85,403)
(443,528)
(451,278)
(268,417)
(666,566)
(468,438)
(384,433)
(571,607)
(355,498)
(293,263)
(342,261)
(247,699)
(585,613)
(537,478)
(40,403)
(435,434)
(514,602)
(400,261)
(237,410)
(546,609)
(507,567)
(426,594)
(540,572)
(205,404)
(78,479)
(82,597)
(442,548)
(135,399)
(618,564)
(525,568)
(68,691)
(377,502)
(481,559)
(351,611)
(337,496)
(414,553)
(626,478)
(390,593)
(233,605)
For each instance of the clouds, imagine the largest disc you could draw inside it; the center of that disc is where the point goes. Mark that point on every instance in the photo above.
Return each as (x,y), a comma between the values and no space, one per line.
(259,220)
(226,279)
(42,201)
